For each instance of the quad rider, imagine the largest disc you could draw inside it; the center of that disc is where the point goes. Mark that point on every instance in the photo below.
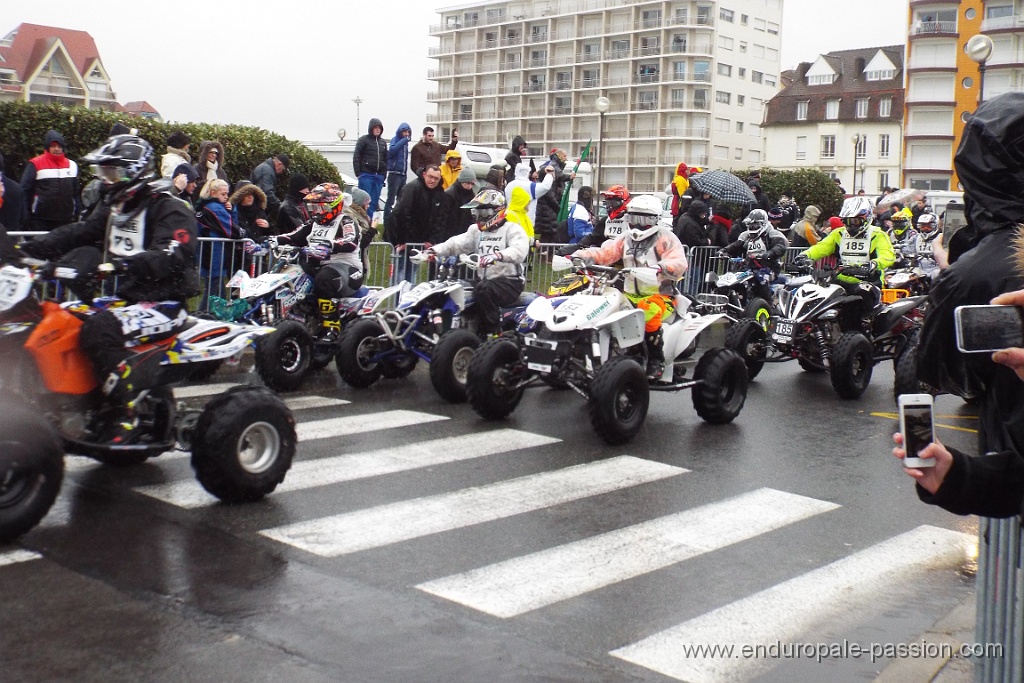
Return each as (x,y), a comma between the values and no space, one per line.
(924,245)
(330,253)
(606,227)
(862,245)
(149,237)
(646,243)
(763,247)
(903,235)
(503,247)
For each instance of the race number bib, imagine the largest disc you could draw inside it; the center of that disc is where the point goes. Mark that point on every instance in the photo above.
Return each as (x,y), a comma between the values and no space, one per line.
(490,243)
(855,250)
(15,285)
(126,233)
(141,319)
(323,234)
(614,229)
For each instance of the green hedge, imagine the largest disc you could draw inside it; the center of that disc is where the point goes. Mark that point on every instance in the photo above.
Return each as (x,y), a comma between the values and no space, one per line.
(809,186)
(23,127)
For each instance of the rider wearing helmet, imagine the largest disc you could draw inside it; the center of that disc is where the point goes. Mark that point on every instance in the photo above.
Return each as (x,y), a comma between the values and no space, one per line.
(330,254)
(762,245)
(858,243)
(903,235)
(606,227)
(150,236)
(646,243)
(503,247)
(925,244)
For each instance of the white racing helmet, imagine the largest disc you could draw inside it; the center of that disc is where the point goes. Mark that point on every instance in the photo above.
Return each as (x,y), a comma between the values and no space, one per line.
(757,221)
(927,222)
(642,215)
(856,214)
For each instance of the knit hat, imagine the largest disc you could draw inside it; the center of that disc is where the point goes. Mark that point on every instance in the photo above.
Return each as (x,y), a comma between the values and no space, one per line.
(296,184)
(190,173)
(835,222)
(178,139)
(359,195)
(284,159)
(466,175)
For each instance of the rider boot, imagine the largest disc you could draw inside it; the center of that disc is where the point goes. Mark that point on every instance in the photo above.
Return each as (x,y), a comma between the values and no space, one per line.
(655,354)
(121,396)
(331,320)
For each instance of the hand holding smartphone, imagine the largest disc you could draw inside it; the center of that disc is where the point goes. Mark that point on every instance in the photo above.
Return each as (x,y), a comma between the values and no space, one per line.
(917,427)
(985,329)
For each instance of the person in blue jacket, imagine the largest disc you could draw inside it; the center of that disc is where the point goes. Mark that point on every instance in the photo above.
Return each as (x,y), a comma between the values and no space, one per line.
(398,165)
(580,223)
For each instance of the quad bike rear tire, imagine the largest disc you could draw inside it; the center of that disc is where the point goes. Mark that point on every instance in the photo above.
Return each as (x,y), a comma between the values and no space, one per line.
(852,364)
(283,356)
(745,337)
(620,396)
(760,310)
(243,445)
(721,391)
(357,345)
(31,470)
(449,364)
(489,367)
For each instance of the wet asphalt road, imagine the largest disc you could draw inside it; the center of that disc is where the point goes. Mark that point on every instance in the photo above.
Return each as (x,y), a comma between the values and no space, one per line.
(128,587)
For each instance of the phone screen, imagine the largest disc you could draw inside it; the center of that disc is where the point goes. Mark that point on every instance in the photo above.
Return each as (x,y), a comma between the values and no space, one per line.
(917,421)
(989,328)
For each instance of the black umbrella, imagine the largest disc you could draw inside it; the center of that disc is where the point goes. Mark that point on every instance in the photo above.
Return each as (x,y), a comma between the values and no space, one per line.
(723,186)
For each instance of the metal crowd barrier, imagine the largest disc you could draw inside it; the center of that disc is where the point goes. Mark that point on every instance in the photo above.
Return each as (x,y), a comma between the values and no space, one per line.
(1000,600)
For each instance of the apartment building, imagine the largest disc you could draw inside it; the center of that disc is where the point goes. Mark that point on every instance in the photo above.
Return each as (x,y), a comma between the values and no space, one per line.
(55,66)
(841,114)
(686,79)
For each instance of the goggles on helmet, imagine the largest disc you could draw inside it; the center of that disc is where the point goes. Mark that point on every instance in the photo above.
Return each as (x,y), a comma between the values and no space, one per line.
(110,175)
(641,219)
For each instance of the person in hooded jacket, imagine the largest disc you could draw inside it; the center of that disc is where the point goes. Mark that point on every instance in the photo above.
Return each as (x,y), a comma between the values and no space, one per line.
(692,227)
(370,162)
(983,265)
(579,221)
(356,209)
(293,212)
(546,218)
(805,231)
(680,184)
(495,179)
(517,150)
(534,189)
(452,216)
(451,168)
(210,162)
(398,166)
(719,227)
(761,200)
(12,212)
(177,153)
(250,204)
(50,186)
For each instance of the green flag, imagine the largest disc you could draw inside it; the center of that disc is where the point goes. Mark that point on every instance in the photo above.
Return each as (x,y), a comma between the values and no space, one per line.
(563,208)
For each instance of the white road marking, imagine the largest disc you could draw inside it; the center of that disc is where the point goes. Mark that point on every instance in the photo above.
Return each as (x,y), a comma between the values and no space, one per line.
(792,609)
(303,402)
(198,390)
(521,584)
(15,556)
(309,474)
(357,424)
(386,524)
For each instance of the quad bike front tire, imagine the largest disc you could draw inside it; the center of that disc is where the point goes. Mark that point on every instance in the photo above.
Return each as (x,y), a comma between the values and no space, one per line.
(358,344)
(721,391)
(243,444)
(489,368)
(283,356)
(852,364)
(31,470)
(748,339)
(619,398)
(760,310)
(449,364)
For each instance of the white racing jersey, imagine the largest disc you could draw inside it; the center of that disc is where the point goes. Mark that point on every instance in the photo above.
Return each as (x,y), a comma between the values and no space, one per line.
(126,232)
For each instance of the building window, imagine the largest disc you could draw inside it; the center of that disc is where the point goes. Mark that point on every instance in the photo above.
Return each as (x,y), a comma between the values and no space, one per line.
(726,14)
(883,179)
(722,125)
(647,100)
(741,72)
(773,28)
(744,19)
(885,107)
(821,79)
(756,77)
(801,110)
(881,75)
(801,148)
(652,18)
(739,126)
(862,108)
(832,110)
(725,42)
(738,154)
(754,156)
(721,152)
(883,148)
(770,81)
(724,69)
(759,25)
(619,49)
(862,147)
(723,97)
(743,47)
(754,130)
(495,16)
(828,146)
(741,100)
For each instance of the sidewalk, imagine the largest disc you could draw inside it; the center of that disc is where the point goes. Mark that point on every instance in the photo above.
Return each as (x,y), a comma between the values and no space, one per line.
(955,628)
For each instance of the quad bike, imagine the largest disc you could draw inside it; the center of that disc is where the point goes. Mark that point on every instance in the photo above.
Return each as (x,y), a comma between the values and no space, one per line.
(738,287)
(820,326)
(434,321)
(909,276)
(283,298)
(594,344)
(242,442)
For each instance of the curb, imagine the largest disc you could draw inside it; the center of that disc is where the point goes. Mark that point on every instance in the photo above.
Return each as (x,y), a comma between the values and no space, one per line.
(954,629)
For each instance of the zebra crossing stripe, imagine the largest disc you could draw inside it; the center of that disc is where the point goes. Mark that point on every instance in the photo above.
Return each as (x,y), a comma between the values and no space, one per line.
(357,424)
(386,524)
(15,556)
(791,609)
(521,584)
(309,474)
(304,402)
(198,390)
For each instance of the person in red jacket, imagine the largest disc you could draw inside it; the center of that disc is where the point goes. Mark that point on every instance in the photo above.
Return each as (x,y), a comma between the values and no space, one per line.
(50,184)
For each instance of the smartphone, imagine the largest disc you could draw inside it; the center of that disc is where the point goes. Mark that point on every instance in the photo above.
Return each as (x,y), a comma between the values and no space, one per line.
(917,428)
(984,329)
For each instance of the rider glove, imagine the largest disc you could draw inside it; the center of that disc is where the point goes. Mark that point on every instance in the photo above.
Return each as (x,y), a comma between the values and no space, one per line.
(488,259)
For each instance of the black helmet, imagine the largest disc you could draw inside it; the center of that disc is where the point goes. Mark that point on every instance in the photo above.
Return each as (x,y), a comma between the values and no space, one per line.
(123,163)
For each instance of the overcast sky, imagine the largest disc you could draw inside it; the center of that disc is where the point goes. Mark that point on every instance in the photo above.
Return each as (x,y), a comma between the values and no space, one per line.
(295,69)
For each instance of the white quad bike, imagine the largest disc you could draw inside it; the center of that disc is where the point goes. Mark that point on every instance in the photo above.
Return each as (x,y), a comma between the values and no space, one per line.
(593,343)
(242,443)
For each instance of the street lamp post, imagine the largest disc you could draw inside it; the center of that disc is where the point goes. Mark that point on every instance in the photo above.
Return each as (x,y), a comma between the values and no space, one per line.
(358,101)
(856,140)
(979,49)
(602,104)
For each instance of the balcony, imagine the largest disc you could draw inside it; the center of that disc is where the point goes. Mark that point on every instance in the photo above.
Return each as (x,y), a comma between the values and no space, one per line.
(533,86)
(511,41)
(685,20)
(61,89)
(103,94)
(702,105)
(588,57)
(588,83)
(692,78)
(933,27)
(510,89)
(645,105)
(647,78)
(438,73)
(539,37)
(649,23)
(463,116)
(684,132)
(563,85)
(647,50)
(487,44)
(1015,21)
(618,54)
(538,62)
(559,111)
